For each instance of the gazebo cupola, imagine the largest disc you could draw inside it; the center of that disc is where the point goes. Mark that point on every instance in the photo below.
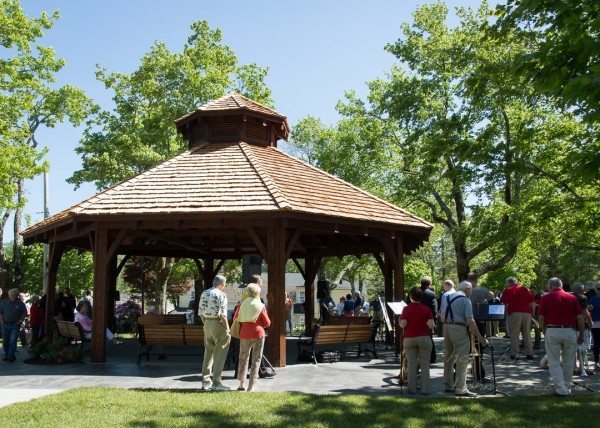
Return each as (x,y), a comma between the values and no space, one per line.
(233,118)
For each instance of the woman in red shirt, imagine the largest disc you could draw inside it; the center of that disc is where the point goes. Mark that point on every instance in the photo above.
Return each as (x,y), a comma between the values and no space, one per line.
(417,322)
(253,319)
(36,319)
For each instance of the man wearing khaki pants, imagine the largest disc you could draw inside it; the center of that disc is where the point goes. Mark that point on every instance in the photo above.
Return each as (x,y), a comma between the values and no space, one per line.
(458,323)
(213,311)
(520,307)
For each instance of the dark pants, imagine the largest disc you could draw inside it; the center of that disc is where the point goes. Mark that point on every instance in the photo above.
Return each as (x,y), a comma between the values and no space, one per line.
(10,334)
(596,339)
(478,370)
(433,356)
(35,334)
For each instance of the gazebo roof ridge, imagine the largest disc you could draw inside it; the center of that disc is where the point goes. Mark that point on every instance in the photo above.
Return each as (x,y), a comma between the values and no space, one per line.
(276,193)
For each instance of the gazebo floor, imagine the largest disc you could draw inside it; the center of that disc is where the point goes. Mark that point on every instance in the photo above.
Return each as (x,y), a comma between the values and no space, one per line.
(364,375)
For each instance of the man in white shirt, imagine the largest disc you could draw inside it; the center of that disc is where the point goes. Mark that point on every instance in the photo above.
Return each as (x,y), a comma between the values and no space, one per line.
(213,312)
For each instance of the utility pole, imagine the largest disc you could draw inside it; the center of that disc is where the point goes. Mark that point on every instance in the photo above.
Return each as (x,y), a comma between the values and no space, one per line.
(46,248)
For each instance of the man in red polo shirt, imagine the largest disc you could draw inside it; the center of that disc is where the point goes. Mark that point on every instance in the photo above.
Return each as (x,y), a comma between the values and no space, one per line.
(560,315)
(520,307)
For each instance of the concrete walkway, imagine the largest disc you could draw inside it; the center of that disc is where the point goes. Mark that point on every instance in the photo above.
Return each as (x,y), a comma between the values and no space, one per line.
(363,375)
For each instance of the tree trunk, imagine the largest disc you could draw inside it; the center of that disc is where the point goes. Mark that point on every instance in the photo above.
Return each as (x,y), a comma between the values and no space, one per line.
(18,239)
(166,266)
(342,272)
(4,264)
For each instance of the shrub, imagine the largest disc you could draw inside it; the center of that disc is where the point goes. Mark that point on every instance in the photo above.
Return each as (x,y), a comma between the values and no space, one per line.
(127,314)
(54,352)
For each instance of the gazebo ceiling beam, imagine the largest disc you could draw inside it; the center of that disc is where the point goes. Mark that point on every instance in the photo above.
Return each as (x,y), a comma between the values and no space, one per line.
(174,241)
(289,246)
(262,249)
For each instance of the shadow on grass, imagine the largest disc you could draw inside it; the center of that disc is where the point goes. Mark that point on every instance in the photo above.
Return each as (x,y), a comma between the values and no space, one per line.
(296,409)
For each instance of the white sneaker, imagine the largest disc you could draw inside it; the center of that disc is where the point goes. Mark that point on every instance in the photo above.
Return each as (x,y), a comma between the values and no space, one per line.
(221,388)
(207,386)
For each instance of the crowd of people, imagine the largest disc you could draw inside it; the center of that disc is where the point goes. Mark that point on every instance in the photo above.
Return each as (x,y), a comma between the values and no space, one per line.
(570,322)
(24,319)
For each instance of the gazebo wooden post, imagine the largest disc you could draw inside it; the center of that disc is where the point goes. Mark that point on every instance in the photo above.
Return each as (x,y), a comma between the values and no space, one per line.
(56,251)
(276,258)
(311,268)
(101,287)
(398,286)
(105,265)
(110,316)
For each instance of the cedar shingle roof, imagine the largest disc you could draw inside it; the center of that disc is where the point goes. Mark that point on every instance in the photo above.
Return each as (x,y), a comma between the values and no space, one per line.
(237,177)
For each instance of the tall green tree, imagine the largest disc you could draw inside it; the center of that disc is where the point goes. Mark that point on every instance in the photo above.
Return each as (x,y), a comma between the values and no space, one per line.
(139,132)
(29,100)
(453,134)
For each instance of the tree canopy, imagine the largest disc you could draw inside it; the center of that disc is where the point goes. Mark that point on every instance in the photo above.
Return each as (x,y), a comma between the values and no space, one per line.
(454,134)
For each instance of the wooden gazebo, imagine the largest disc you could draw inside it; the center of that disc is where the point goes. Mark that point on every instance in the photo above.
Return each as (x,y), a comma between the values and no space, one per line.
(232,193)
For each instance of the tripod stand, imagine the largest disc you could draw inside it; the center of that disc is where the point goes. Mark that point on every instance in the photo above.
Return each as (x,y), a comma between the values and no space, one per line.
(494,390)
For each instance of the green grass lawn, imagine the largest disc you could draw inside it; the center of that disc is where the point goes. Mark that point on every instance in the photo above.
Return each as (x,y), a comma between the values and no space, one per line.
(100,407)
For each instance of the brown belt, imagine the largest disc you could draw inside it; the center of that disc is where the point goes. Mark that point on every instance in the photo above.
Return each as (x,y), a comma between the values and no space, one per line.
(456,323)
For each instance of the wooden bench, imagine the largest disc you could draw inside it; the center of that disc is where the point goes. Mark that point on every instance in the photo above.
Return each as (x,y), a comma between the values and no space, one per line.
(338,320)
(160,319)
(71,331)
(165,334)
(339,335)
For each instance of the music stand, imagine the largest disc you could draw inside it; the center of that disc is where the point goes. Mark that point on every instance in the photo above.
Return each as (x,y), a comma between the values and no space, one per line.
(486,312)
(396,308)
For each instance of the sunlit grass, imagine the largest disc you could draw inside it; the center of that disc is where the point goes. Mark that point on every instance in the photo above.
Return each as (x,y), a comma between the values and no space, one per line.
(101,407)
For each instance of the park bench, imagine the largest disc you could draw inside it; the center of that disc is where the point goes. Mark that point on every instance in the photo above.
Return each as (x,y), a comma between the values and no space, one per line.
(71,331)
(168,334)
(355,334)
(339,320)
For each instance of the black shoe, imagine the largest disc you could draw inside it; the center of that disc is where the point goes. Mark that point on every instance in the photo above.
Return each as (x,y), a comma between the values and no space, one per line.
(529,357)
(5,359)
(448,390)
(10,360)
(467,394)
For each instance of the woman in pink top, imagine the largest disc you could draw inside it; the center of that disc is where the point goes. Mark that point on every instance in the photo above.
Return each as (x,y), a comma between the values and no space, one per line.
(253,319)
(82,316)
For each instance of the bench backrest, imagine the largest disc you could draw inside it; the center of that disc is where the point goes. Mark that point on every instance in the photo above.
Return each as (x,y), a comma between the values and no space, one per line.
(162,335)
(358,333)
(68,329)
(330,334)
(194,335)
(349,333)
(155,334)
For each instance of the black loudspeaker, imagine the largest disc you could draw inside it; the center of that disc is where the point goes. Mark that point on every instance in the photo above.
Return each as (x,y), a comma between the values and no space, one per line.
(322,289)
(251,265)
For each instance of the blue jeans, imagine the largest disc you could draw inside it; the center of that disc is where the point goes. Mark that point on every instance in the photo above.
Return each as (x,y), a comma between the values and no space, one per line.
(10,334)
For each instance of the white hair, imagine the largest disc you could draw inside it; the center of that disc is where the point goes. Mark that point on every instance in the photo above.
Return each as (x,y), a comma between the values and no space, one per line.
(219,280)
(578,287)
(555,282)
(464,285)
(253,290)
(13,292)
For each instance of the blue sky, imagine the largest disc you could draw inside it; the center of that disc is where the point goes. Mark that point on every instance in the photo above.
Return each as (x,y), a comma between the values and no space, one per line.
(315,52)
